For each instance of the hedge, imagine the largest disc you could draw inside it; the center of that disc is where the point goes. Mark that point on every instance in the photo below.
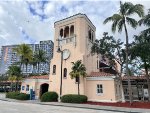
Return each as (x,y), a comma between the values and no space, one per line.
(74,98)
(18,96)
(49,97)
(23,96)
(12,95)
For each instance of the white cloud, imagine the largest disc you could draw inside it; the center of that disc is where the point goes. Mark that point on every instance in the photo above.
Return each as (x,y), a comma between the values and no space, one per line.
(16,17)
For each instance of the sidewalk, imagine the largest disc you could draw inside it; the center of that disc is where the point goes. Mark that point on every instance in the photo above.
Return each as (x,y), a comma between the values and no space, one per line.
(84,106)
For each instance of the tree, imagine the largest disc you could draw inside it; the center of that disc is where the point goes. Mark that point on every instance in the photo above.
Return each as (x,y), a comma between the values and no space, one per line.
(111,49)
(121,20)
(40,57)
(12,79)
(25,53)
(3,78)
(146,22)
(14,73)
(141,50)
(78,70)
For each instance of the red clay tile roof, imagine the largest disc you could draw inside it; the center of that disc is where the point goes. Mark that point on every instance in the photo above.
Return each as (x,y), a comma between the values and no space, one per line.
(134,77)
(97,74)
(39,77)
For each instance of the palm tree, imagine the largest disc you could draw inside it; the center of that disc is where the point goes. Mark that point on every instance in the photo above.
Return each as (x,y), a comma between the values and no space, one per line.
(40,57)
(78,70)
(25,53)
(12,79)
(120,20)
(146,21)
(14,73)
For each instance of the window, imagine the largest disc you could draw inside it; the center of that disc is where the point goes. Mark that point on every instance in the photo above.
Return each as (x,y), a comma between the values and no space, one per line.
(27,88)
(65,72)
(77,79)
(54,69)
(92,36)
(89,33)
(23,87)
(97,64)
(72,30)
(61,32)
(66,32)
(99,88)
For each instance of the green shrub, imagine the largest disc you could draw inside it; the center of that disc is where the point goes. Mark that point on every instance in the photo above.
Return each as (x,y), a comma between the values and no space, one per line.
(22,96)
(49,97)
(12,95)
(73,98)
(18,96)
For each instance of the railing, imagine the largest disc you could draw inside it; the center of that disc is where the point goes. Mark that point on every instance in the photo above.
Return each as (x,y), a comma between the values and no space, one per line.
(67,40)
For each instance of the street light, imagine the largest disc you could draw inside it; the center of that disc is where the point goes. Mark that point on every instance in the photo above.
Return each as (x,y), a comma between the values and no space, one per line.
(60,51)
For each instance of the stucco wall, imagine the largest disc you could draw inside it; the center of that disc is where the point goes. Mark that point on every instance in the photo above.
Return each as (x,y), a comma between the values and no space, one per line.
(78,51)
(108,90)
(33,84)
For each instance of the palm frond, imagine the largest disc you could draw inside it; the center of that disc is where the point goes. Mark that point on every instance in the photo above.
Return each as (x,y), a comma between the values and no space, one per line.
(120,25)
(124,7)
(145,20)
(136,9)
(107,20)
(132,22)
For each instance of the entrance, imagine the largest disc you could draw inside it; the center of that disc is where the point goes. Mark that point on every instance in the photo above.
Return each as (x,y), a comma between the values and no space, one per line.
(43,88)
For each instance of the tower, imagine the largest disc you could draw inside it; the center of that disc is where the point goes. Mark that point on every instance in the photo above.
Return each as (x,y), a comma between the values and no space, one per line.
(74,35)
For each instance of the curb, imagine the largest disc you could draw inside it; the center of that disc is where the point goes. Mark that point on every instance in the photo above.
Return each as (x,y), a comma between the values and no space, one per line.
(88,108)
(73,106)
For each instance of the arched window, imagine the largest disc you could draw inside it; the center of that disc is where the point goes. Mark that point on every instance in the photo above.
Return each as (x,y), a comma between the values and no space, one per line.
(89,33)
(77,79)
(61,33)
(92,36)
(72,30)
(66,32)
(65,72)
(54,69)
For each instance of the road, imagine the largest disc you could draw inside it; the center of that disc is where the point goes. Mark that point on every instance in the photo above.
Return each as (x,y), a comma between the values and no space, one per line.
(15,107)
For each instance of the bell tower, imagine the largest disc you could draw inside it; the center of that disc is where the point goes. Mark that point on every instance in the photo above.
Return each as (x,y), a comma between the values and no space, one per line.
(72,41)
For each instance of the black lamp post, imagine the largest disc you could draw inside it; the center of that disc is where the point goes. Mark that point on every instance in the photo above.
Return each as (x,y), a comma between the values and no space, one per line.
(60,51)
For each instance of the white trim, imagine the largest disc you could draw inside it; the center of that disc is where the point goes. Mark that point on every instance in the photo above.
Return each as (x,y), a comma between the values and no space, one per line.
(101,78)
(35,80)
(100,94)
(96,100)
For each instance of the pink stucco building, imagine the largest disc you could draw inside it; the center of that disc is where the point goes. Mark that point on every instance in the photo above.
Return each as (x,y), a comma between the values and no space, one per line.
(74,36)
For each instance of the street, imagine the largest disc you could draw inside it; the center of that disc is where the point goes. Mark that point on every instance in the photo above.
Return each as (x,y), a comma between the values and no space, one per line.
(15,107)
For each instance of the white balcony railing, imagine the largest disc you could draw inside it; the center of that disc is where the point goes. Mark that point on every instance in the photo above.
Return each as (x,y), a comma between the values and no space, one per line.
(63,41)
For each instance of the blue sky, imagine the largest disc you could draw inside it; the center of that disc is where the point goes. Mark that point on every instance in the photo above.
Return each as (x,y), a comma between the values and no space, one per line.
(32,21)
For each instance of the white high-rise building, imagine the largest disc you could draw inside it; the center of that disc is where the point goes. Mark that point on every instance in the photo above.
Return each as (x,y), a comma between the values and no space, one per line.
(9,57)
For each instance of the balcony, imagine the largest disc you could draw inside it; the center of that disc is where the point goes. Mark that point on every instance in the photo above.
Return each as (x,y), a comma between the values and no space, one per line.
(67,40)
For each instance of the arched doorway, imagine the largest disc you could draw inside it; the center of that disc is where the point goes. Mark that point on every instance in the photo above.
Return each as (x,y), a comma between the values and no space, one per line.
(43,88)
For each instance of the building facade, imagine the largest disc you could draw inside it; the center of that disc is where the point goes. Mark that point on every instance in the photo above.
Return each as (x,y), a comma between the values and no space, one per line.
(9,57)
(39,84)
(75,36)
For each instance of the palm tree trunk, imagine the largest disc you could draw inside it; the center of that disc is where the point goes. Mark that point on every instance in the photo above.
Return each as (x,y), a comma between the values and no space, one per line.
(78,87)
(127,70)
(11,86)
(148,81)
(121,86)
(16,85)
(38,68)
(26,68)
